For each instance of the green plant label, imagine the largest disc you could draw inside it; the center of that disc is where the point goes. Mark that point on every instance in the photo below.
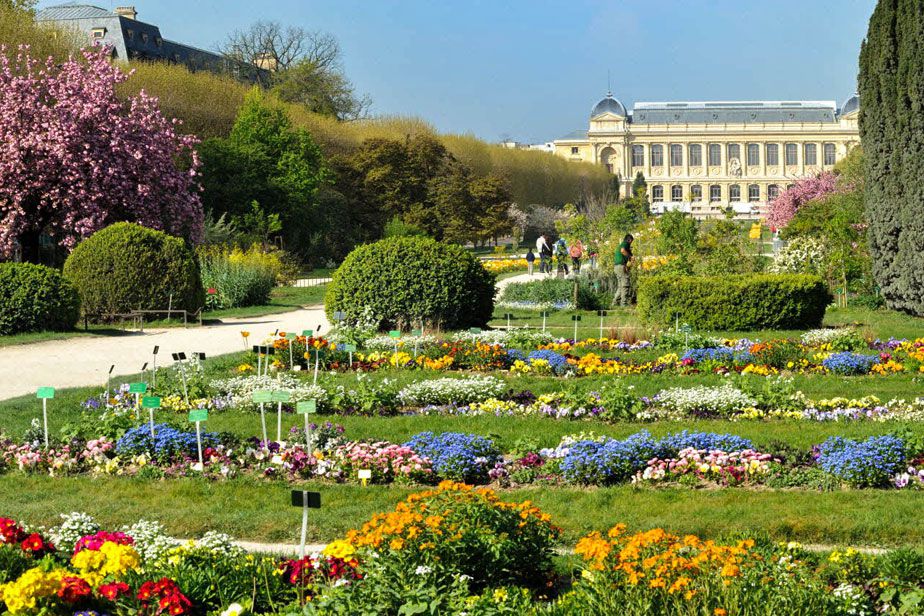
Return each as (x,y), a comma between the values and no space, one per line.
(281,396)
(508,315)
(474,330)
(576,317)
(307,333)
(198,415)
(262,396)
(417,332)
(291,336)
(349,348)
(45,392)
(394,333)
(307,407)
(150,402)
(137,388)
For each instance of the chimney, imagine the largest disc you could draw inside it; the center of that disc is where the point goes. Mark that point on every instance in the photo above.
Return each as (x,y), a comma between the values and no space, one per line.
(126,11)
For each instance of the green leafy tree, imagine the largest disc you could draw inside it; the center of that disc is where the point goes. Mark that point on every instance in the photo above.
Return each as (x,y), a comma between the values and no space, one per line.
(268,161)
(891,81)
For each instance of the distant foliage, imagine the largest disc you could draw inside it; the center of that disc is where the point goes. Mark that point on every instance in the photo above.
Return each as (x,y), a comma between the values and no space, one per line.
(126,266)
(737,302)
(35,298)
(405,280)
(75,157)
(892,131)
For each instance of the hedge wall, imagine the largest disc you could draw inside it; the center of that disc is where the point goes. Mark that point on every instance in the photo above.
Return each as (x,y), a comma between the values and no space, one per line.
(35,298)
(741,302)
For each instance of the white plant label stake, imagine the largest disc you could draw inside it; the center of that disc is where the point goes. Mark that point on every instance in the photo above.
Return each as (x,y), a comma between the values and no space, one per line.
(45,394)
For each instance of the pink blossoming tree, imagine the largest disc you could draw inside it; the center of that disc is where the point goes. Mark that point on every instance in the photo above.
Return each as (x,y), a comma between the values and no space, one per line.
(75,157)
(785,206)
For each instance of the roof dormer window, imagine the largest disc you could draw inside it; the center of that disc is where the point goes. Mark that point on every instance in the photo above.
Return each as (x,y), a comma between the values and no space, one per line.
(144,38)
(130,33)
(98,33)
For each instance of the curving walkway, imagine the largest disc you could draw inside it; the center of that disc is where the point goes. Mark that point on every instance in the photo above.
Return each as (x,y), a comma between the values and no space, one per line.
(85,361)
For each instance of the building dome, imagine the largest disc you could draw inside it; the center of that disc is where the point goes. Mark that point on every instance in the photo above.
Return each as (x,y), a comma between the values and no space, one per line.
(608,105)
(851,104)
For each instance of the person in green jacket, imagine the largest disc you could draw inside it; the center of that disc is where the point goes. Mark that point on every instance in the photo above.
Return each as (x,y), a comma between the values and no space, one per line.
(623,260)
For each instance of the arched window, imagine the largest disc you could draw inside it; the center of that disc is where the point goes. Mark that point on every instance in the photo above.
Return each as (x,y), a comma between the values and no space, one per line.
(734,193)
(676,155)
(696,155)
(811,154)
(657,194)
(734,151)
(715,154)
(676,192)
(657,155)
(753,193)
(773,191)
(638,156)
(696,193)
(830,158)
(715,193)
(753,154)
(607,156)
(773,154)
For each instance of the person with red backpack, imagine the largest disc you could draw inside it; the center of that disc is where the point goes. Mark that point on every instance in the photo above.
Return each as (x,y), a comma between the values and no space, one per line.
(577,253)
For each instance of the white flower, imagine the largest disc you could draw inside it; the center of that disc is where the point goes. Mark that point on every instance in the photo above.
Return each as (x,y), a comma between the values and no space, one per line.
(235,609)
(423,570)
(448,390)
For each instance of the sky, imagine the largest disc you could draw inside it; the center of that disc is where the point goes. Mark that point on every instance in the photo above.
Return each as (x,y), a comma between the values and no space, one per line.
(532,70)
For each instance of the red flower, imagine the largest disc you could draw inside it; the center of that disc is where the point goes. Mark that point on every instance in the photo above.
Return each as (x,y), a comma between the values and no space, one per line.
(146,591)
(10,531)
(114,590)
(74,589)
(212,291)
(35,544)
(96,540)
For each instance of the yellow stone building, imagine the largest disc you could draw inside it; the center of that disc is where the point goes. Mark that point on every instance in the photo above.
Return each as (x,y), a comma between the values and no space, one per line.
(702,157)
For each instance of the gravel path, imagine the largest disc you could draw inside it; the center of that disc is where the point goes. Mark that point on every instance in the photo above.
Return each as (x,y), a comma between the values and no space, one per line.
(85,361)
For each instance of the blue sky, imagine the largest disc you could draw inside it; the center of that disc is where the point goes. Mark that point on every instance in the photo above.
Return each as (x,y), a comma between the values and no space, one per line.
(532,70)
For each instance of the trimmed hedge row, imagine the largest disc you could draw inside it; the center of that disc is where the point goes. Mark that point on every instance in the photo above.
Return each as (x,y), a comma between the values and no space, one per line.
(556,290)
(126,266)
(738,302)
(35,298)
(403,280)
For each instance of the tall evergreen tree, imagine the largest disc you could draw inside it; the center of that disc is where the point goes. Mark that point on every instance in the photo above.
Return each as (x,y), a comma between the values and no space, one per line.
(891,86)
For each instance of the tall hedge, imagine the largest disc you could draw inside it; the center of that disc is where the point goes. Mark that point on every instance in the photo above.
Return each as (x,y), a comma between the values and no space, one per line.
(400,281)
(35,298)
(741,302)
(891,86)
(126,266)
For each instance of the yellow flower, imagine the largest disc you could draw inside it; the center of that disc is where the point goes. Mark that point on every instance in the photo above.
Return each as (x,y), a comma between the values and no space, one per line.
(339,549)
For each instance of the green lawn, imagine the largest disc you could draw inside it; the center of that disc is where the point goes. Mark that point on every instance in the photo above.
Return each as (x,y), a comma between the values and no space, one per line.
(257,510)
(282,299)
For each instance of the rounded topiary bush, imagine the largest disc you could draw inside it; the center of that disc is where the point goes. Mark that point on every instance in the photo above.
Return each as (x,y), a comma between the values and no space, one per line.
(401,281)
(126,266)
(35,298)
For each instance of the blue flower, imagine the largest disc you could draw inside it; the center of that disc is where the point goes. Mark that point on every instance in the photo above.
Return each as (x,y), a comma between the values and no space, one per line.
(868,463)
(457,456)
(848,363)
(168,443)
(557,362)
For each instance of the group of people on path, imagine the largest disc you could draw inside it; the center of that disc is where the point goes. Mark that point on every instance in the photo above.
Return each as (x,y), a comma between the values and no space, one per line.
(560,252)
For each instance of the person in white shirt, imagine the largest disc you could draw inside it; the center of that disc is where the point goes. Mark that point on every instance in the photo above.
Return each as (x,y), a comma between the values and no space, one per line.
(545,251)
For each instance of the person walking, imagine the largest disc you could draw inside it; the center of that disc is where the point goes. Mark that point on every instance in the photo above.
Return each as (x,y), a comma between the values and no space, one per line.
(561,256)
(545,254)
(592,255)
(530,259)
(623,260)
(577,253)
